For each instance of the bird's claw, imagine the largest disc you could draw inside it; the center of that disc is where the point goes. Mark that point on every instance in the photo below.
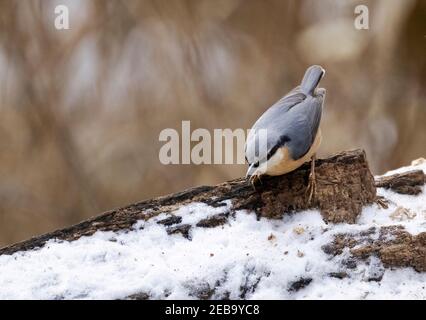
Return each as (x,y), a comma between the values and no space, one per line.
(253,179)
(312,185)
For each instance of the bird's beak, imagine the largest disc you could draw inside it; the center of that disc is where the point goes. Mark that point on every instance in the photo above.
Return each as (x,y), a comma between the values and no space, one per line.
(250,170)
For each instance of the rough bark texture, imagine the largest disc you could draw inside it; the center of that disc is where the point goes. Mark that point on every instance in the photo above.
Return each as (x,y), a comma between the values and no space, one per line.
(344,185)
(404,183)
(394,246)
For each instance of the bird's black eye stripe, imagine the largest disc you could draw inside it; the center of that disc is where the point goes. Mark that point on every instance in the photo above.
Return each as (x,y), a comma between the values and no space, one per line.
(271,152)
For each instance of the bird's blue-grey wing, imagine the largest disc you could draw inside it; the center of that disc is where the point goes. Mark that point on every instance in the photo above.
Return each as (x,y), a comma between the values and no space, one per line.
(274,120)
(302,125)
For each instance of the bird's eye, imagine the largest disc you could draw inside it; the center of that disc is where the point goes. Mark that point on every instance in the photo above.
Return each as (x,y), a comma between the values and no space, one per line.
(256,164)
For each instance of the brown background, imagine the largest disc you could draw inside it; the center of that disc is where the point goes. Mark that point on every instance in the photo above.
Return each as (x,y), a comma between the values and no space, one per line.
(81,109)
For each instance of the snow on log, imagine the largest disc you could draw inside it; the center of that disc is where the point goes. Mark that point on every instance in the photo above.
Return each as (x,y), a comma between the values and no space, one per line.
(230,241)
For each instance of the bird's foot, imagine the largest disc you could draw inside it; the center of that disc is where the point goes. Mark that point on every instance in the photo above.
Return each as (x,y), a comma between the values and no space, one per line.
(253,179)
(312,185)
(311,188)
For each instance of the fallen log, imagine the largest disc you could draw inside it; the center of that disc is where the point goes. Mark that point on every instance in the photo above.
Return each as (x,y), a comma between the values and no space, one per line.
(208,243)
(344,185)
(403,183)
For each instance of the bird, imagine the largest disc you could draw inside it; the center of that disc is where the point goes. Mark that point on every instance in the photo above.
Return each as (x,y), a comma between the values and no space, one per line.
(288,134)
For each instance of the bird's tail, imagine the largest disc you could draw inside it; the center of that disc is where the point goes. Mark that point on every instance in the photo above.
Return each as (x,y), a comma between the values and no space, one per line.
(311,79)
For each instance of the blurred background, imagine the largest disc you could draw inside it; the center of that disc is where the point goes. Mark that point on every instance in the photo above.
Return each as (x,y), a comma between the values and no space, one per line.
(81,109)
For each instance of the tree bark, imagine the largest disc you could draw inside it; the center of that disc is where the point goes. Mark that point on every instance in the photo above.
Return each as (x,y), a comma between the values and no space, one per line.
(344,184)
(404,183)
(394,246)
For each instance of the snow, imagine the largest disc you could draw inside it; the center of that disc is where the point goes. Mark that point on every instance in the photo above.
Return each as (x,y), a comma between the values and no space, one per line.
(406,210)
(265,255)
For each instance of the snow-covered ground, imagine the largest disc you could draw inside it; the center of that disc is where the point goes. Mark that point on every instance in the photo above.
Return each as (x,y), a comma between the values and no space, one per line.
(245,258)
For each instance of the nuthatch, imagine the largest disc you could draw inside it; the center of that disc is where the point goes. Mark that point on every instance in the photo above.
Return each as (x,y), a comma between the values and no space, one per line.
(292,131)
